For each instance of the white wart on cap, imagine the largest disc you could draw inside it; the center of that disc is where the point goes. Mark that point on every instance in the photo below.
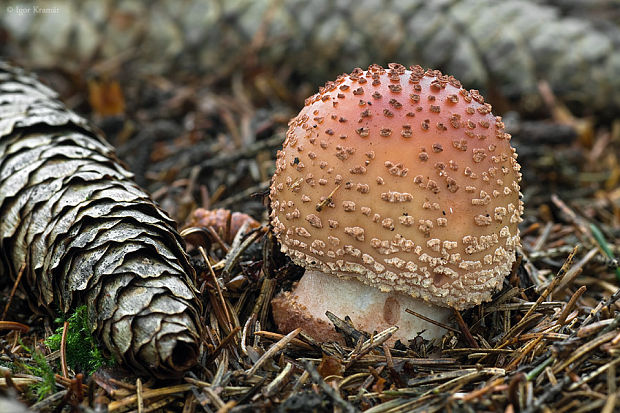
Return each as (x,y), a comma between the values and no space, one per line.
(402,180)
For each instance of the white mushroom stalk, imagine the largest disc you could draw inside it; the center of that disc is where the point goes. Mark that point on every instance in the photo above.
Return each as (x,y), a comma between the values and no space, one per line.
(369,308)
(403,187)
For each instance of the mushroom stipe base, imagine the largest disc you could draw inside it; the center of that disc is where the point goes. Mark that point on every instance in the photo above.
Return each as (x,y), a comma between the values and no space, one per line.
(368,307)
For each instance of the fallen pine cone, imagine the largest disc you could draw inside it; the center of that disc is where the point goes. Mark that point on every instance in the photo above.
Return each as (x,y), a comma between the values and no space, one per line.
(502,47)
(88,235)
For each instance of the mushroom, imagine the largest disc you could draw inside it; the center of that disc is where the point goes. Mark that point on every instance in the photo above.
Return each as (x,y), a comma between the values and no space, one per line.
(224,222)
(395,189)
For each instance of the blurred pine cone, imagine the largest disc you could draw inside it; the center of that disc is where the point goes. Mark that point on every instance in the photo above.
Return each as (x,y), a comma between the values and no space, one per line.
(88,235)
(504,48)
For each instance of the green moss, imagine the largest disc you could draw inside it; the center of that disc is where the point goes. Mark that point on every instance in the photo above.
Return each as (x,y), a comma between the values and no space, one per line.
(83,355)
(41,369)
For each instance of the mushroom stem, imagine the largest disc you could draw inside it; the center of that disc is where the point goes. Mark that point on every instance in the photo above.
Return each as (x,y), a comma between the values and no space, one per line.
(369,308)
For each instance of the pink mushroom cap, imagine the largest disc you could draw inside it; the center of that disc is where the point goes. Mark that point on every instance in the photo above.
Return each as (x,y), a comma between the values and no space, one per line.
(394,188)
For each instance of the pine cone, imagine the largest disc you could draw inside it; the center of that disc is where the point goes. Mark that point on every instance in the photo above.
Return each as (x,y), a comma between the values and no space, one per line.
(89,235)
(496,46)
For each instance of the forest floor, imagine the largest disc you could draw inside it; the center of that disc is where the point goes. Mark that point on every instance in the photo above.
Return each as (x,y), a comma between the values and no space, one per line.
(548,341)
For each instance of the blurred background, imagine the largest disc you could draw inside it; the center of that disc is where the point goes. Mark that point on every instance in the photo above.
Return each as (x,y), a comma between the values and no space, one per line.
(196,95)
